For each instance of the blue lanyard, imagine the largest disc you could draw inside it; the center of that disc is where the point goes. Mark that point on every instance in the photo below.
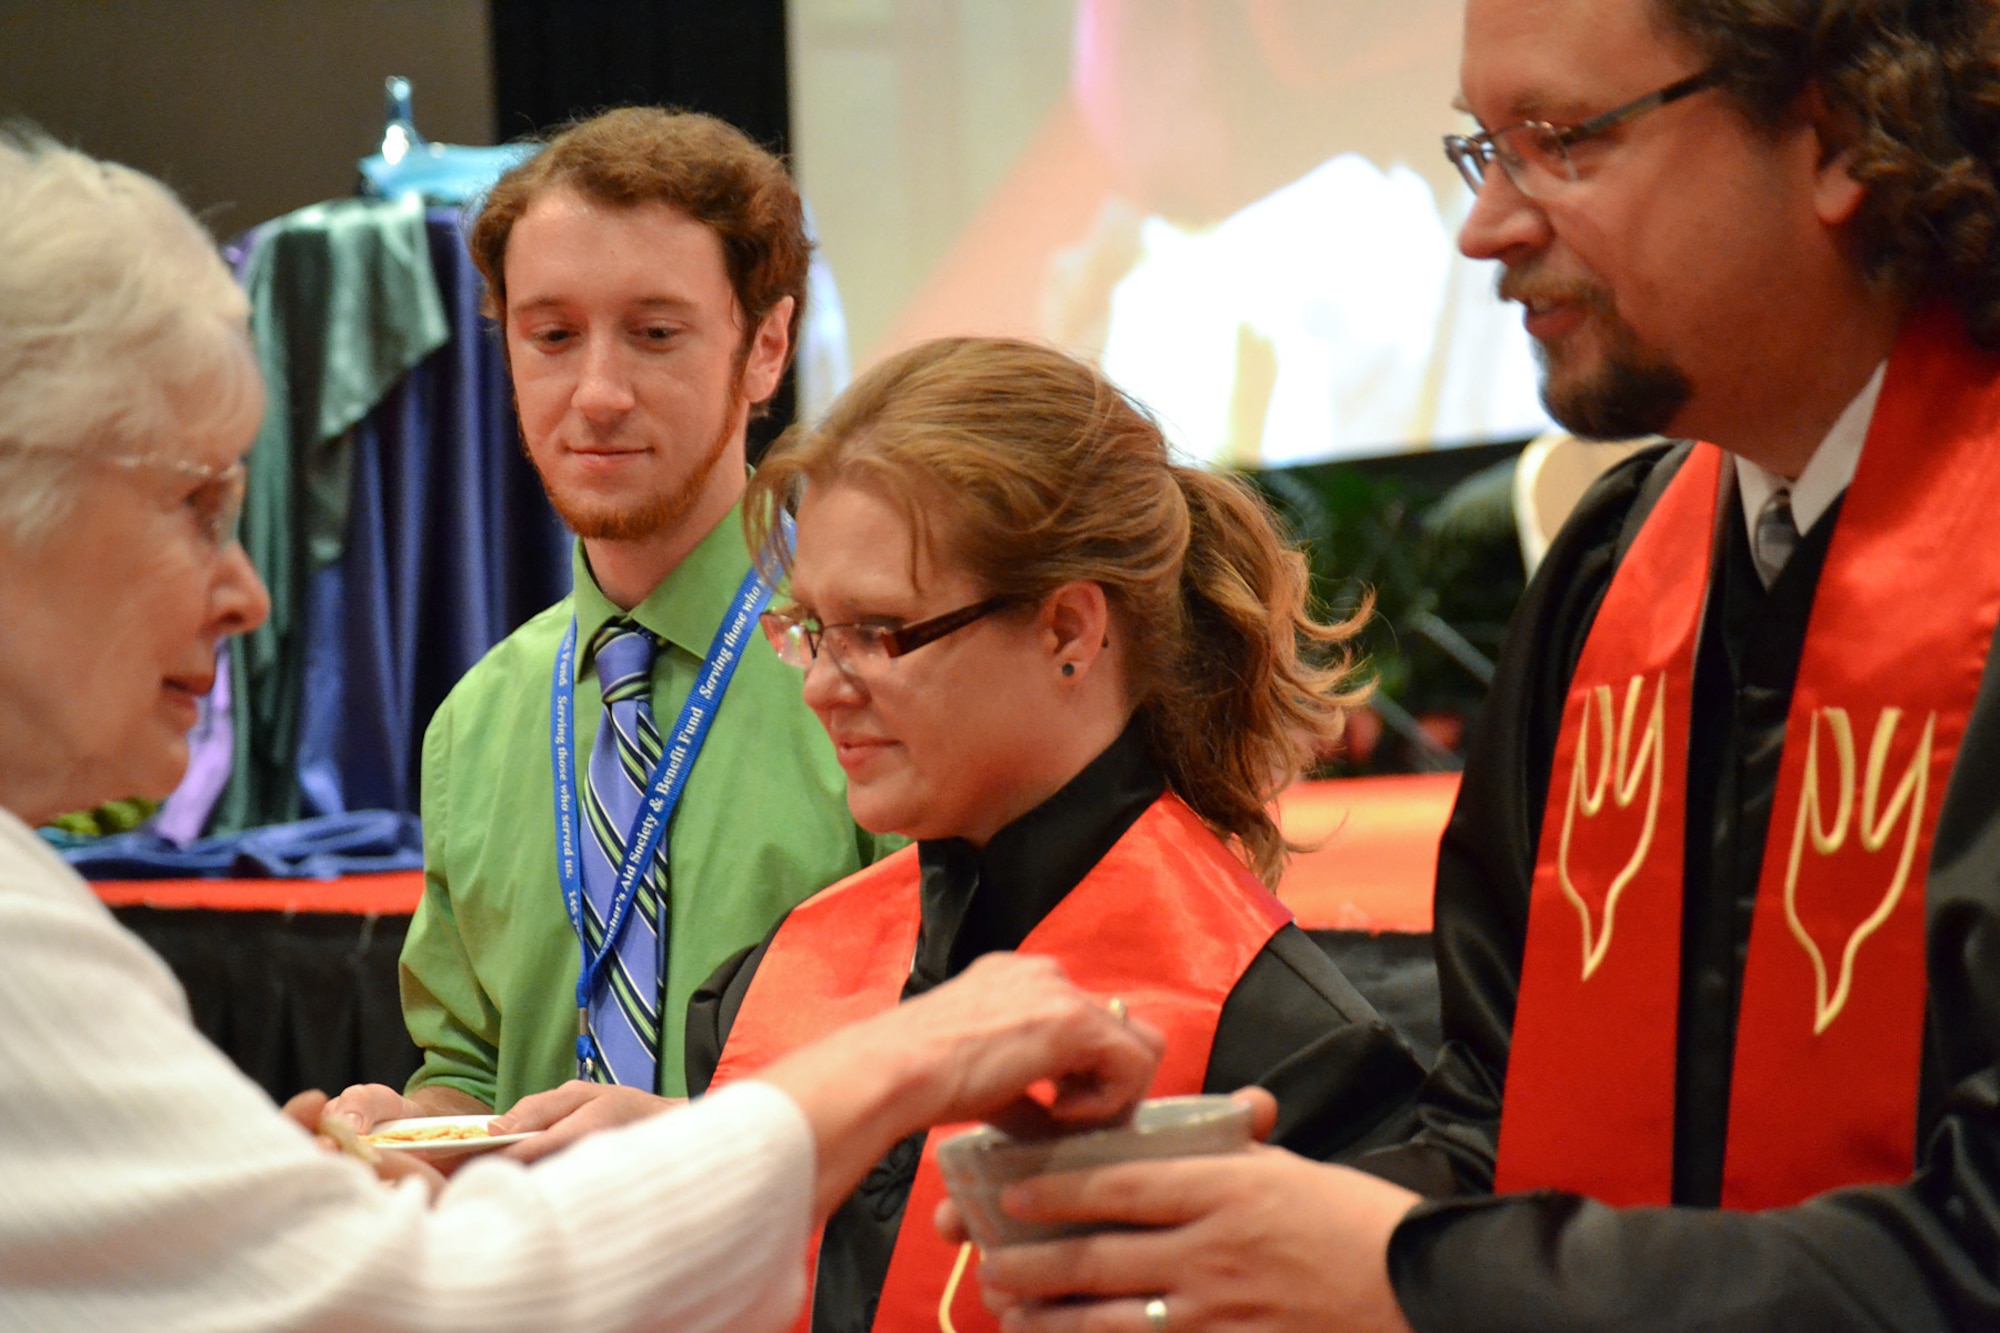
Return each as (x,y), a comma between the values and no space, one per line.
(663,793)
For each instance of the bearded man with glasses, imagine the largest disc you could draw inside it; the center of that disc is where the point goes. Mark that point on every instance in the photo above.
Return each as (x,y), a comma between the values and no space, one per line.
(1718,907)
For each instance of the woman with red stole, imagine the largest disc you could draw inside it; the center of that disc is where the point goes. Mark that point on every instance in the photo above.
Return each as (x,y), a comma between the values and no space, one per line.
(1076,675)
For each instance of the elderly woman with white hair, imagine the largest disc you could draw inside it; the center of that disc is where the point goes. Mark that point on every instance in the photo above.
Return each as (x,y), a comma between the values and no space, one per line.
(144,1182)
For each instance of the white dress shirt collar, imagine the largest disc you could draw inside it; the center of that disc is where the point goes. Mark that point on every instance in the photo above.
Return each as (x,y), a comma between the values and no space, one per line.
(1827,472)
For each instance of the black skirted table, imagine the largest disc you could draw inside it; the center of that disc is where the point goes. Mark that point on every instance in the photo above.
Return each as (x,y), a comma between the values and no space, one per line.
(296,979)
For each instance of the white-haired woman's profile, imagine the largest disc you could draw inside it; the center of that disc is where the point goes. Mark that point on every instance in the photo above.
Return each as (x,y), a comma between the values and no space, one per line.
(144,1182)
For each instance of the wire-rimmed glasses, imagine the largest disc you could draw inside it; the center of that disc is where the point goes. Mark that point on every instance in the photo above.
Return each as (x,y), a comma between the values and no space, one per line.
(217,496)
(860,648)
(1535,154)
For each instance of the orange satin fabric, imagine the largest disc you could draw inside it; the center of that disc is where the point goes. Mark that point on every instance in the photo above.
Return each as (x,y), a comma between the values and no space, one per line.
(1829,1043)
(1168,921)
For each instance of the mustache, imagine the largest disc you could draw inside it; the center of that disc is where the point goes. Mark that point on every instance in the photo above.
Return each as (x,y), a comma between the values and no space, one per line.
(1528,286)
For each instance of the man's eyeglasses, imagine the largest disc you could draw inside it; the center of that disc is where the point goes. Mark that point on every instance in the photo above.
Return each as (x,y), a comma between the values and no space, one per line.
(860,649)
(1535,154)
(216,497)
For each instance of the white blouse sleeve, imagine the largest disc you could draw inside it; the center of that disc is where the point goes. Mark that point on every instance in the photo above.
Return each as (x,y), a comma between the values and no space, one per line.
(146,1183)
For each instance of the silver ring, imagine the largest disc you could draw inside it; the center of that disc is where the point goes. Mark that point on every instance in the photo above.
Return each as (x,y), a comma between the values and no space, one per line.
(1116,1007)
(1156,1315)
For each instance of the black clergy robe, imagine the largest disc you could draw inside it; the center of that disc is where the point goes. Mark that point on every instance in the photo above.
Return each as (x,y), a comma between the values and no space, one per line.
(1293,1024)
(1924,1254)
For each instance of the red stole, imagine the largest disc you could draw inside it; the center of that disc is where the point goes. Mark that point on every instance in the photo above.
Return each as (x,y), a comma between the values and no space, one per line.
(1824,1085)
(1169,921)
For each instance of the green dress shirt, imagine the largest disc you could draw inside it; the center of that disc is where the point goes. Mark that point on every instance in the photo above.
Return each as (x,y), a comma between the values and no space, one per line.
(490,964)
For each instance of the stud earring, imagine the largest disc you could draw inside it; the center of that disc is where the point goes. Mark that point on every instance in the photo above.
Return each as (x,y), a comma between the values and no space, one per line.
(1069,668)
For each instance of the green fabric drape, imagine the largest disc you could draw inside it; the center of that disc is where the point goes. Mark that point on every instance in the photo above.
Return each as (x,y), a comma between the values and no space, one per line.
(343,303)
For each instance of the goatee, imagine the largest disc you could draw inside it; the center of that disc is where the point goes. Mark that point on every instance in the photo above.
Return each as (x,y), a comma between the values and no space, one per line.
(1628,397)
(642,516)
(1633,391)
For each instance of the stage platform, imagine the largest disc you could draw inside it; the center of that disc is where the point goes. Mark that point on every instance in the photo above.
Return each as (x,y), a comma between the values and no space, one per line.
(296,978)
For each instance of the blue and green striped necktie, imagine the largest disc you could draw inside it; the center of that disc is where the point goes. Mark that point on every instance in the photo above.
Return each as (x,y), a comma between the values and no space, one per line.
(625,1010)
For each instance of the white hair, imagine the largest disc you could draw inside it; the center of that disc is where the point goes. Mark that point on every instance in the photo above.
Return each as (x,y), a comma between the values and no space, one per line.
(121,331)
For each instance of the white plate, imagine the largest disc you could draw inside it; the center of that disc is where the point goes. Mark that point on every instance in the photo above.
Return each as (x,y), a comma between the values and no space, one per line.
(440,1147)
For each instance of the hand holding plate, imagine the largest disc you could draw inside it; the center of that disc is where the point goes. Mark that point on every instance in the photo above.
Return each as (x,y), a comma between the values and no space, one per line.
(562,1115)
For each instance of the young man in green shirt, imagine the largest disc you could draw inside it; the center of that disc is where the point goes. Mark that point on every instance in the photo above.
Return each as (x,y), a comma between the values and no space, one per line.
(648,272)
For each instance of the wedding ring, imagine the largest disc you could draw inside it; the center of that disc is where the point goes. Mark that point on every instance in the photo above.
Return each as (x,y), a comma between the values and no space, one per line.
(1118,1016)
(1156,1315)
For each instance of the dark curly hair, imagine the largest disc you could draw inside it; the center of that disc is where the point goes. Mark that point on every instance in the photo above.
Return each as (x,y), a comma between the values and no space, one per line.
(1921,81)
(706,168)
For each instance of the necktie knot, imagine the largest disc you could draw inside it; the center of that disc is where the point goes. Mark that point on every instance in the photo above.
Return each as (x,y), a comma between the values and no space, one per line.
(624,656)
(1776,536)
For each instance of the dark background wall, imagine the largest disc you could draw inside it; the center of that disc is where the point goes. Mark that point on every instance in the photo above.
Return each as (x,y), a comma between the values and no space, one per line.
(250,108)
(253,108)
(553,61)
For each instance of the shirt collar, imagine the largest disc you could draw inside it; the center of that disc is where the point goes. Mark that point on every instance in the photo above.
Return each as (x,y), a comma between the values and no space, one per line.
(687,607)
(1827,473)
(988,899)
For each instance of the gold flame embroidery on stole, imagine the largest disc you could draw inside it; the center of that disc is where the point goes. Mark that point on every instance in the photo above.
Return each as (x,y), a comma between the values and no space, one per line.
(1620,771)
(1876,824)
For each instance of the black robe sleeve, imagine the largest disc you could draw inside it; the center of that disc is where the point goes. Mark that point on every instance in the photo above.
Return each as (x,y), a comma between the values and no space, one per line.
(1487,855)
(1922,1254)
(1295,1026)
(711,1012)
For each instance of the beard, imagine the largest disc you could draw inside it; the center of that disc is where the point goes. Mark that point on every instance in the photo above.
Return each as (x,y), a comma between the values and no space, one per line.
(638,517)
(1632,391)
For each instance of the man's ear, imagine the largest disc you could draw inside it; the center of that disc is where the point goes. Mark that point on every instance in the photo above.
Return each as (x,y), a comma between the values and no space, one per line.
(1836,194)
(770,347)
(1076,619)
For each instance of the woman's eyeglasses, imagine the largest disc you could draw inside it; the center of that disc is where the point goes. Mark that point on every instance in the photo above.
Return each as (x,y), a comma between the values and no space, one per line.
(216,497)
(214,491)
(859,649)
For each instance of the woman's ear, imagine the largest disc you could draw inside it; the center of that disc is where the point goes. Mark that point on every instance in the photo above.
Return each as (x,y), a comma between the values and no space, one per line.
(1075,621)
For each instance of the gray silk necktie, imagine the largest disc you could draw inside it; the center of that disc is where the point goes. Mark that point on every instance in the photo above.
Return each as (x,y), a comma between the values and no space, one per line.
(1775,538)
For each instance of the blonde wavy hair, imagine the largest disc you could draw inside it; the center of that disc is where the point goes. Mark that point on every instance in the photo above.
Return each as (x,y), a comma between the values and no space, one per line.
(1030,471)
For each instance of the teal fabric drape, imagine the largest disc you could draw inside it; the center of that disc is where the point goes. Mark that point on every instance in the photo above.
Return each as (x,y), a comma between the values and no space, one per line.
(344,301)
